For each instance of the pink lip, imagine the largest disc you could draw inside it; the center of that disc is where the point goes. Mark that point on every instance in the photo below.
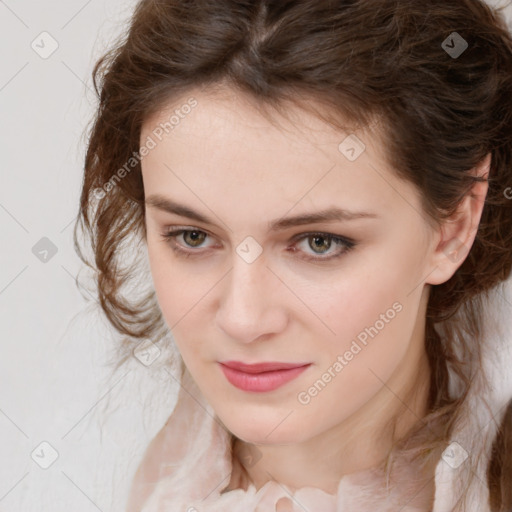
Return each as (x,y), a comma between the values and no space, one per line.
(261,377)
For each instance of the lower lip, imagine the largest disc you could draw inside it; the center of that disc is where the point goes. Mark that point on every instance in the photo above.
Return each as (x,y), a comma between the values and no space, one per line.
(261,382)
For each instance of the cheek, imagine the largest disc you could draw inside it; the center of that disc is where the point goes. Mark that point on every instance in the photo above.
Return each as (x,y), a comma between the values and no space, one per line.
(183,289)
(373,314)
(177,289)
(372,329)
(357,299)
(351,371)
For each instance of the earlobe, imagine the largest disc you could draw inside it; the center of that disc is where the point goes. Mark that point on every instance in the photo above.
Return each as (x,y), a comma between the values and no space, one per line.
(457,233)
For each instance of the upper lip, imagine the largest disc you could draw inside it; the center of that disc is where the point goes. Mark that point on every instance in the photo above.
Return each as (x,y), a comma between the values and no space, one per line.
(261,367)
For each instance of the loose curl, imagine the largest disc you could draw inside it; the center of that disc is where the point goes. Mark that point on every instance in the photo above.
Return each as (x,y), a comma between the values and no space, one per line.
(364,60)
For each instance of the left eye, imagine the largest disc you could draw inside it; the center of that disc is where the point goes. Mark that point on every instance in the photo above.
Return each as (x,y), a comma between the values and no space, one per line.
(320,243)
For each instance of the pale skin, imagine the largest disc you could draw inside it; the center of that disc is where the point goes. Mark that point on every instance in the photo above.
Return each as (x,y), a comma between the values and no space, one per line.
(230,164)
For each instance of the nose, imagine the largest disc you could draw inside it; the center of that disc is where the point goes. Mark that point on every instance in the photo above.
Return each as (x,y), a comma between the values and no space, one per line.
(251,306)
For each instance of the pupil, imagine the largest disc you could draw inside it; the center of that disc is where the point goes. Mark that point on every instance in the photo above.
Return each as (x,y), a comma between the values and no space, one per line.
(195,236)
(317,238)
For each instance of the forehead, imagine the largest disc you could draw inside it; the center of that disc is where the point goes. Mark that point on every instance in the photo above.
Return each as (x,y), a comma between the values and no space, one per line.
(225,150)
(219,113)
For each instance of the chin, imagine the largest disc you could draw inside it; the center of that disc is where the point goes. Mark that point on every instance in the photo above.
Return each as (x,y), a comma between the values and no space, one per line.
(265,432)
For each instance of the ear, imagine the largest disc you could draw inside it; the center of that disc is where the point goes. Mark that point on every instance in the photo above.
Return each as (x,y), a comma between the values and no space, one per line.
(455,237)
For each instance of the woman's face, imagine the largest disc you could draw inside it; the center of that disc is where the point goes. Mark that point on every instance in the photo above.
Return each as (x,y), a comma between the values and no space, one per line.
(254,279)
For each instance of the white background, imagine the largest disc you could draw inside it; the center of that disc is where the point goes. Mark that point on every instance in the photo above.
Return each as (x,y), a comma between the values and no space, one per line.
(55,382)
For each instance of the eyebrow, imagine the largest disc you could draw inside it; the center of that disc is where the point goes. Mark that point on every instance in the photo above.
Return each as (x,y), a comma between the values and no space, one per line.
(331,214)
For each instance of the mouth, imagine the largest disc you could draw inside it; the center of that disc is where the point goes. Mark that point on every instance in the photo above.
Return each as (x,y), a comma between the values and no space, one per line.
(261,377)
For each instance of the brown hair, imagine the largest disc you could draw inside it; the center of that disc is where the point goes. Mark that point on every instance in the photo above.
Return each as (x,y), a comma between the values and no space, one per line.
(441,114)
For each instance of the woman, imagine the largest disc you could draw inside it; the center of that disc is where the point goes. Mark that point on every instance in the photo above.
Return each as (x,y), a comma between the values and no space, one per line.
(323,190)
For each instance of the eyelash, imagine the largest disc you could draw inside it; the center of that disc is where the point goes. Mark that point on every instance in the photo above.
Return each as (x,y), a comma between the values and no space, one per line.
(348,245)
